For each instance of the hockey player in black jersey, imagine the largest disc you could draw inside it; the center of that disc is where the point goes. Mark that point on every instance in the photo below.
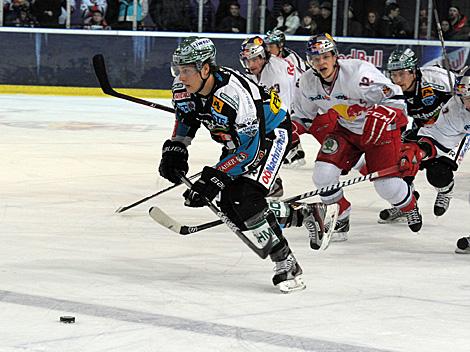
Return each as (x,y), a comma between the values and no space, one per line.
(253,127)
(426,90)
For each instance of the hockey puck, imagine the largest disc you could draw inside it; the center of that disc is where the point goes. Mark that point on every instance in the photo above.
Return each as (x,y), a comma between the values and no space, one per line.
(67,319)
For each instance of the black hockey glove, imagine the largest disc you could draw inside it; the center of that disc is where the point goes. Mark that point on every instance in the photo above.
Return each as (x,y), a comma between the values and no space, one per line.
(174,161)
(212,181)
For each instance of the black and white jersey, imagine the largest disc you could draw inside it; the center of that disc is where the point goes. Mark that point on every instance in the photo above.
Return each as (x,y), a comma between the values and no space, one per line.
(238,114)
(432,91)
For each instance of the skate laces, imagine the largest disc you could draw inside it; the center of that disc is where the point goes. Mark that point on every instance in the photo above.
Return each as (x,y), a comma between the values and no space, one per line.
(285,265)
(413,216)
(443,199)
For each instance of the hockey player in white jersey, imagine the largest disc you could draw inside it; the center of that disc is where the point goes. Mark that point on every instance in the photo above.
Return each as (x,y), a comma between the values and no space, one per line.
(370,111)
(443,137)
(426,89)
(272,73)
(276,44)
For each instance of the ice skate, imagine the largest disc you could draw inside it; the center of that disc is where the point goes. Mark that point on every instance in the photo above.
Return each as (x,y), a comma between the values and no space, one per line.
(444,195)
(287,275)
(414,219)
(463,246)
(318,219)
(295,158)
(394,215)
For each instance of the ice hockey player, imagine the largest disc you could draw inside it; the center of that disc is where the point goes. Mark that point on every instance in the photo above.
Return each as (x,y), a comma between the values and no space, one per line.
(426,89)
(272,73)
(253,127)
(370,112)
(276,45)
(445,135)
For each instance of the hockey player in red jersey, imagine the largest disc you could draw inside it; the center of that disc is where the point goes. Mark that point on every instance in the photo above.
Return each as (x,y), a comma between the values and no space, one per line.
(370,110)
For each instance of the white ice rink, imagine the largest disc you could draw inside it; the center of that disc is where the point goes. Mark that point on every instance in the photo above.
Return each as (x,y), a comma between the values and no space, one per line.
(68,163)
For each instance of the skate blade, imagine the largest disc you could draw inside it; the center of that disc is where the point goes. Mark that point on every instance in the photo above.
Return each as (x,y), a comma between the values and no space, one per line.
(394,221)
(288,286)
(295,164)
(462,251)
(339,237)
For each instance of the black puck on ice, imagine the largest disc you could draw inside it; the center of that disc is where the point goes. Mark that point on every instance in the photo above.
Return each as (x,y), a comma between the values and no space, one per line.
(67,319)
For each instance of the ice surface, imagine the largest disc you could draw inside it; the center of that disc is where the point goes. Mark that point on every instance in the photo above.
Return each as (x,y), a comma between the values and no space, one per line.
(68,163)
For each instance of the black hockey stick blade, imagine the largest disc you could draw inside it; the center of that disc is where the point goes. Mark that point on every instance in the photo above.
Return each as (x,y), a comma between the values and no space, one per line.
(100,71)
(163,219)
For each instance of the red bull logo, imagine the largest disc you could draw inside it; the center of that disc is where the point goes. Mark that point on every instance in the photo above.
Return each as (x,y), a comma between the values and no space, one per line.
(376,59)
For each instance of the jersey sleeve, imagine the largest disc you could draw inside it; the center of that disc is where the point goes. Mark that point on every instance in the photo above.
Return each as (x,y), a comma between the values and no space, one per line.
(304,109)
(186,125)
(247,112)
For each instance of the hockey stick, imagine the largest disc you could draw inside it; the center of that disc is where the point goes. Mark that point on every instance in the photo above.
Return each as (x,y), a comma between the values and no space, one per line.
(262,252)
(352,181)
(127,207)
(163,219)
(444,51)
(102,75)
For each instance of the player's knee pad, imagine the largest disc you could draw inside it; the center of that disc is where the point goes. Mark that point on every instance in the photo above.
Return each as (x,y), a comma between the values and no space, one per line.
(325,174)
(394,190)
(242,199)
(439,173)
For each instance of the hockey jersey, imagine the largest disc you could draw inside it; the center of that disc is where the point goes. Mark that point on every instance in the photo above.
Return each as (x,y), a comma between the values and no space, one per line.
(452,125)
(432,91)
(281,76)
(291,56)
(358,86)
(238,114)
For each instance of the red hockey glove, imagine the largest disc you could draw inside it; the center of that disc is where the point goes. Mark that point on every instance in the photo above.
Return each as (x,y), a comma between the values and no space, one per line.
(411,157)
(376,126)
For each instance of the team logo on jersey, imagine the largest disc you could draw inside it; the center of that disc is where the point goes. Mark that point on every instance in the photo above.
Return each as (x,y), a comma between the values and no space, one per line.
(349,113)
(330,146)
(217,104)
(428,96)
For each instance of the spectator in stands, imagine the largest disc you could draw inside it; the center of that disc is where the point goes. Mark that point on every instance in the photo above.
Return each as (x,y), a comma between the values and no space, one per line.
(47,12)
(288,21)
(234,23)
(95,21)
(307,26)
(112,13)
(18,13)
(171,15)
(391,25)
(354,26)
(87,7)
(371,28)
(269,20)
(459,28)
(445,26)
(208,17)
(223,10)
(127,13)
(314,10)
(324,22)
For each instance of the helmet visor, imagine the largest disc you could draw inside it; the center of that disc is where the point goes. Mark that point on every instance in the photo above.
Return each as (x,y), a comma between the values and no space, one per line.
(186,70)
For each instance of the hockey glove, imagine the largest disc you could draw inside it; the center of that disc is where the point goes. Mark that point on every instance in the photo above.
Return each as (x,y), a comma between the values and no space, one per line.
(378,124)
(174,161)
(212,181)
(411,157)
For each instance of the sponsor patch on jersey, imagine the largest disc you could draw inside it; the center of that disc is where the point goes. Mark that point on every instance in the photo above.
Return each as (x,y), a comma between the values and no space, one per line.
(231,101)
(275,102)
(330,146)
(319,97)
(217,104)
(228,164)
(181,95)
(274,159)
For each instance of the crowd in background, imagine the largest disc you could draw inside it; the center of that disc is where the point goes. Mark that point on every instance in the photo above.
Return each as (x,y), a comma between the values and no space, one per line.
(374,19)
